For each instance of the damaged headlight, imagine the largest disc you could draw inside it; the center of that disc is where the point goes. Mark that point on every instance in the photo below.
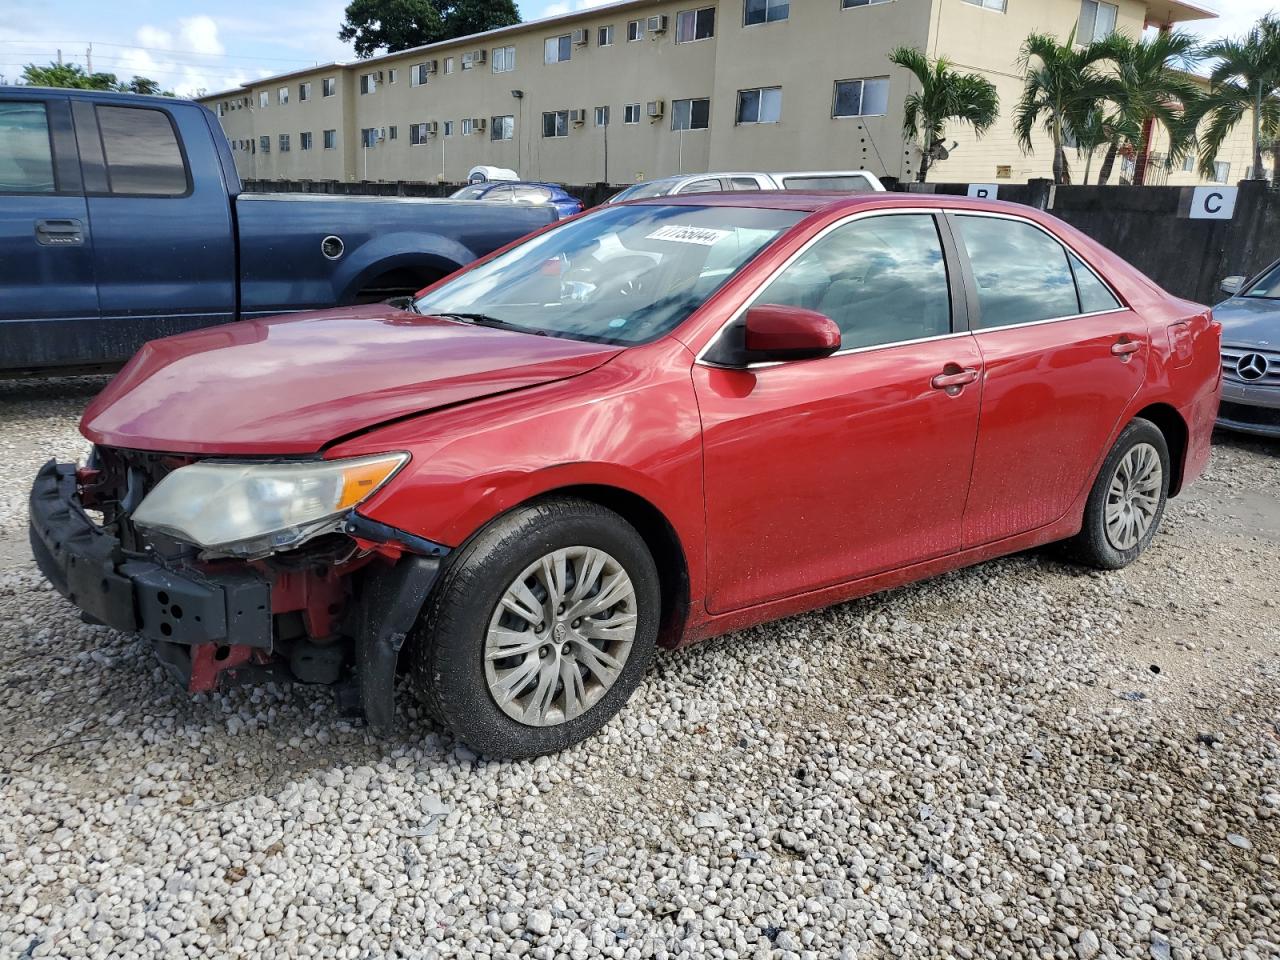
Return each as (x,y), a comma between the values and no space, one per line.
(253,509)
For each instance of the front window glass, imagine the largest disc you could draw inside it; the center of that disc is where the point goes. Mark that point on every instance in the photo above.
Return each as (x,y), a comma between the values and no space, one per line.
(881,279)
(1267,288)
(653,188)
(469,193)
(26,158)
(1021,272)
(622,275)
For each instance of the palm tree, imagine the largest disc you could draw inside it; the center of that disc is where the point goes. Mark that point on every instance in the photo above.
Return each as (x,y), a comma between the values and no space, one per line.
(1245,79)
(1061,83)
(1153,87)
(945,95)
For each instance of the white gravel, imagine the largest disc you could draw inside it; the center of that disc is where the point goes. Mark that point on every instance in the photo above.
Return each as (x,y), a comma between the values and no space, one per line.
(985,765)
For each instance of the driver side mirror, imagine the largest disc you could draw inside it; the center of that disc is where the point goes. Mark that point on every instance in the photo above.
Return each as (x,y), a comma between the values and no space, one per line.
(1232,285)
(771,333)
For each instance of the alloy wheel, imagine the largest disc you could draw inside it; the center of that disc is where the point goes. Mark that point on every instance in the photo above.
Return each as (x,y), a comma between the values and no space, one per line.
(560,636)
(1133,497)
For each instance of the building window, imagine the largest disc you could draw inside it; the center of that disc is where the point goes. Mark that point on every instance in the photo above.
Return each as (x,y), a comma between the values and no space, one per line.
(604,36)
(448,128)
(368,83)
(391,75)
(1097,21)
(393,132)
(602,116)
(282,96)
(691,114)
(417,134)
(504,59)
(418,74)
(631,113)
(284,143)
(264,144)
(765,11)
(846,4)
(502,128)
(369,137)
(1189,164)
(635,30)
(328,87)
(468,127)
(557,49)
(555,123)
(694,25)
(264,98)
(304,92)
(998,5)
(861,98)
(448,64)
(1221,172)
(330,139)
(304,140)
(762,105)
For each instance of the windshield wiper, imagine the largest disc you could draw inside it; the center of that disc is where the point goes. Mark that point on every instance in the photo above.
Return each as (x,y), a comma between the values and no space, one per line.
(484,320)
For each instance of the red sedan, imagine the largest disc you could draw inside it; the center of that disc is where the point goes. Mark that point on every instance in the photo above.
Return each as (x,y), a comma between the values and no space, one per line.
(650,424)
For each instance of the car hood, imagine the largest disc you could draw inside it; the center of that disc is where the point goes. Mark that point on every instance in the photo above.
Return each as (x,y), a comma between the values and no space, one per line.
(292,384)
(1249,322)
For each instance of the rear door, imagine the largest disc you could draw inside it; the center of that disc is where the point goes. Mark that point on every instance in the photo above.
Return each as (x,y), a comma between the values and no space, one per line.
(48,300)
(1062,360)
(164,250)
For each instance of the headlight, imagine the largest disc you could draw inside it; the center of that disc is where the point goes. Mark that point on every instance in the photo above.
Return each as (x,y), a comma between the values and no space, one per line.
(252,509)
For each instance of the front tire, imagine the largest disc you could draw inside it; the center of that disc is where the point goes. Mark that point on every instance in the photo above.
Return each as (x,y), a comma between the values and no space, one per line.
(540,629)
(1128,500)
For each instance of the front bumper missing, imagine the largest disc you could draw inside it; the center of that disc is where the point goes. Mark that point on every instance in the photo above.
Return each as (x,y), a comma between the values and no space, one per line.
(88,566)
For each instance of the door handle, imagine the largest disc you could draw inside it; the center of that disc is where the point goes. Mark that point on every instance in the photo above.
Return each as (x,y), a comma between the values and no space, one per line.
(59,233)
(1126,348)
(953,378)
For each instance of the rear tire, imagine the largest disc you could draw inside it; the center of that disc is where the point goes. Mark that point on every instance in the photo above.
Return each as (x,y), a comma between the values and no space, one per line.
(1127,502)
(526,566)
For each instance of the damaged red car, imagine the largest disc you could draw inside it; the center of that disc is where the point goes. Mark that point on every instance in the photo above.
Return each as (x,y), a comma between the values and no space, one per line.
(648,425)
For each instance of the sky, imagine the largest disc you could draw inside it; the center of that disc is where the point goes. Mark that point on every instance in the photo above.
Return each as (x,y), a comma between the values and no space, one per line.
(193,46)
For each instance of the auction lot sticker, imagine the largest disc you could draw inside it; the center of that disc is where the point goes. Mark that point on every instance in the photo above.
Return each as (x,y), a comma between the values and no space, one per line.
(703,236)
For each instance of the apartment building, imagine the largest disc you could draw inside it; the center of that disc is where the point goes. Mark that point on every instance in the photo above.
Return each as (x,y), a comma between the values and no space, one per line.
(644,88)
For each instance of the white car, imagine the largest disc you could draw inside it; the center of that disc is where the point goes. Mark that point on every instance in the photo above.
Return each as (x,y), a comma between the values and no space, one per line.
(845,181)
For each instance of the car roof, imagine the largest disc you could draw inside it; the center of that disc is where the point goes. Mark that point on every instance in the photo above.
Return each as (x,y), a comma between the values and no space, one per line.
(816,201)
(75,93)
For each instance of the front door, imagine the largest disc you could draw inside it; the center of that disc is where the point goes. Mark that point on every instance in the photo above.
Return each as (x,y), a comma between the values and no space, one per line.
(825,471)
(1062,361)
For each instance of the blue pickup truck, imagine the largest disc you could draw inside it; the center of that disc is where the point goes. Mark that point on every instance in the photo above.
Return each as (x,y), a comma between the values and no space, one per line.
(122,220)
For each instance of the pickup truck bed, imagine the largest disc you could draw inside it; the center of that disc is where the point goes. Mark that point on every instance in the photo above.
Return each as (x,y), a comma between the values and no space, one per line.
(122,220)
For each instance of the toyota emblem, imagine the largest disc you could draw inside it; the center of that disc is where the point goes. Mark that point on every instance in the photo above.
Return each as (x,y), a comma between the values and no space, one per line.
(1252,366)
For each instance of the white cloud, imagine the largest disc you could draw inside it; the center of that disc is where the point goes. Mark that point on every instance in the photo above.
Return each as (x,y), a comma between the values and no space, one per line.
(562,7)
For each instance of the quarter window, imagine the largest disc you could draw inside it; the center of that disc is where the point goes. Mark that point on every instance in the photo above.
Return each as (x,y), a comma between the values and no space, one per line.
(142,152)
(1095,297)
(695,25)
(1021,272)
(763,105)
(765,11)
(861,98)
(502,128)
(557,49)
(555,123)
(26,155)
(691,114)
(881,279)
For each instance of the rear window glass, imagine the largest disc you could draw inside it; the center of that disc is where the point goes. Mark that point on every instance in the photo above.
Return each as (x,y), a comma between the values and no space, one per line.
(26,157)
(851,183)
(1021,272)
(142,152)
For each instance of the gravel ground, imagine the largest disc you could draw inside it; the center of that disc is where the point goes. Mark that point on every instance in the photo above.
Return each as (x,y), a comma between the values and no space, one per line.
(1018,760)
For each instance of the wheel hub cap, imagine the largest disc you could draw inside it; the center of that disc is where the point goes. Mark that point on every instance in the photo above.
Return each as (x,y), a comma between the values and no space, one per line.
(1133,498)
(560,636)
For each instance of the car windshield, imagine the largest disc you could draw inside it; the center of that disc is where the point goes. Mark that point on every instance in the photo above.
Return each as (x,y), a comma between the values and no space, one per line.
(645,191)
(1268,288)
(622,275)
(469,193)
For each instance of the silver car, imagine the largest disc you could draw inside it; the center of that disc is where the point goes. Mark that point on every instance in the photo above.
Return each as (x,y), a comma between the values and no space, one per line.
(1251,353)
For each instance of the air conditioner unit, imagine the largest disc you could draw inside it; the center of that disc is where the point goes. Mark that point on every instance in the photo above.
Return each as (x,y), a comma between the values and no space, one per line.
(432,127)
(580,38)
(656,25)
(430,66)
(477,124)
(478,57)
(655,109)
(578,117)
(378,77)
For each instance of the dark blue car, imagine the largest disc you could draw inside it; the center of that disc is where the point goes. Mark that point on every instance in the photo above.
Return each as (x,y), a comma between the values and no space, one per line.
(520,191)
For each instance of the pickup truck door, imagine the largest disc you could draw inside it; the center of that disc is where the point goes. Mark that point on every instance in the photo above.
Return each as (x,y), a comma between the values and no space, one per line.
(165,242)
(46,252)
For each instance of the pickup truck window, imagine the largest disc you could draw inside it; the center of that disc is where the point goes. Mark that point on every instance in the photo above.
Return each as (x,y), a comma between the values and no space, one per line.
(142,152)
(26,155)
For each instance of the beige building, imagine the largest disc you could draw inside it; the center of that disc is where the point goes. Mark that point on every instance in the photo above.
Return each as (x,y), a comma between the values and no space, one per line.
(645,88)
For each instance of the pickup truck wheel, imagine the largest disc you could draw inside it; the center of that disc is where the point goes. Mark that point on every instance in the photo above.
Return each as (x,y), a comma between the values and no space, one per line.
(539,630)
(1128,500)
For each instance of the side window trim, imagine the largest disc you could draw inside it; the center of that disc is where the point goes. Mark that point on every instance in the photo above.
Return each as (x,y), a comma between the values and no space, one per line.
(959,308)
(971,284)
